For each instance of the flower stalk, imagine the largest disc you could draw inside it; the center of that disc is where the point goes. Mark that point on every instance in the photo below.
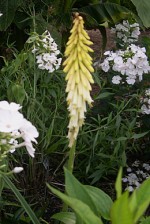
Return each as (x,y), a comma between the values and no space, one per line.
(78,68)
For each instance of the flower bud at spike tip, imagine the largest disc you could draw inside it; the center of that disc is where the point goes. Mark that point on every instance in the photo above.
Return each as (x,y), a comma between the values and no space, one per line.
(78,68)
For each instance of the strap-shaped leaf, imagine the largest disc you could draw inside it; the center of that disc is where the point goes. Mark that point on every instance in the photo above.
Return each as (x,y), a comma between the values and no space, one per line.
(80,208)
(118,184)
(76,190)
(65,217)
(140,200)
(101,200)
(120,212)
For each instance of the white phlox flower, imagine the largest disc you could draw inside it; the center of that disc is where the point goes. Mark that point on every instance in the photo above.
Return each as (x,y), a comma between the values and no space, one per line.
(145,101)
(14,127)
(116,79)
(9,106)
(28,131)
(10,120)
(46,51)
(126,33)
(131,63)
(136,174)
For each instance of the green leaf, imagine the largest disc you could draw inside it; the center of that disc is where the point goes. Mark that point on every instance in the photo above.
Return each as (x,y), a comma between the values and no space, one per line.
(80,208)
(8,8)
(118,184)
(101,200)
(145,221)
(137,136)
(104,95)
(122,138)
(95,198)
(104,37)
(21,199)
(16,93)
(65,217)
(120,212)
(140,200)
(114,1)
(143,9)
(106,12)
(76,190)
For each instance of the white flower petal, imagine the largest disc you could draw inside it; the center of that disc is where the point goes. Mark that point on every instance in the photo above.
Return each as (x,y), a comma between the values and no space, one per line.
(17,169)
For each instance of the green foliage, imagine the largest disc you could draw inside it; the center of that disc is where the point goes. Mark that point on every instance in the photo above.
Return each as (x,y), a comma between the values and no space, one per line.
(88,195)
(146,42)
(65,217)
(107,137)
(145,220)
(21,199)
(126,209)
(106,12)
(118,184)
(94,201)
(143,9)
(8,8)
(129,5)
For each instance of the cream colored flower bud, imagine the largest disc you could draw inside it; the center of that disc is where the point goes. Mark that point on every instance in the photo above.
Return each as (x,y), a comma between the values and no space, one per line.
(78,68)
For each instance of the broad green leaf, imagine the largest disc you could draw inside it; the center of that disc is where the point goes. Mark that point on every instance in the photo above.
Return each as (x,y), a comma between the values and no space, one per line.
(118,184)
(76,190)
(140,200)
(8,8)
(97,200)
(143,9)
(21,199)
(101,200)
(65,217)
(80,208)
(106,12)
(120,212)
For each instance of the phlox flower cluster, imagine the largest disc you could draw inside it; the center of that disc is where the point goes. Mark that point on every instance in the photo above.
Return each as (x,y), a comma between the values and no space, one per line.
(136,174)
(145,108)
(46,51)
(15,131)
(126,33)
(130,64)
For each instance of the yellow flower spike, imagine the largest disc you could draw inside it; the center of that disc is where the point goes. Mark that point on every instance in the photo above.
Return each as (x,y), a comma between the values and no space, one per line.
(78,68)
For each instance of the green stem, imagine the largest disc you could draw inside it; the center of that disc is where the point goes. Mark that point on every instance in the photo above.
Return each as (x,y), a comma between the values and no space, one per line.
(70,167)
(71,158)
(34,88)
(35,78)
